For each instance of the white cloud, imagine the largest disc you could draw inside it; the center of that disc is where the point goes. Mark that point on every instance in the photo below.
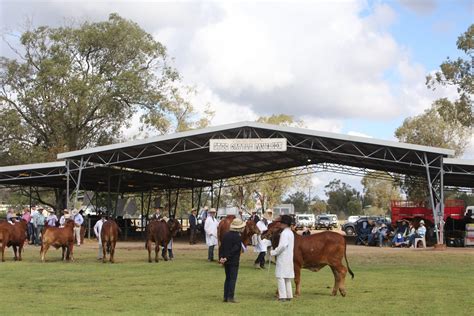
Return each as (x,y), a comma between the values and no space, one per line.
(423,7)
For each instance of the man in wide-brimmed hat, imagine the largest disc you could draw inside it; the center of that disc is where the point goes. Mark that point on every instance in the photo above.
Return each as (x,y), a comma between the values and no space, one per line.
(268,215)
(64,217)
(230,257)
(284,260)
(210,227)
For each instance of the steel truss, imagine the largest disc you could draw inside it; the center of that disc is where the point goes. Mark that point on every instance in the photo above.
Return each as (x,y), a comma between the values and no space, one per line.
(350,153)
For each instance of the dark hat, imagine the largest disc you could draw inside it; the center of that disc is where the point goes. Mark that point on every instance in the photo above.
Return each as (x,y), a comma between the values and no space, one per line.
(286,219)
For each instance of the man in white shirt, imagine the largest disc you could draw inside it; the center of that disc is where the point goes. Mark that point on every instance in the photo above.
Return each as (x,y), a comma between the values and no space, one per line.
(420,233)
(210,227)
(97,230)
(284,271)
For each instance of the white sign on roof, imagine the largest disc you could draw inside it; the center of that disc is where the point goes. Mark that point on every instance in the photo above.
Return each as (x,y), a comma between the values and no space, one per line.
(247,145)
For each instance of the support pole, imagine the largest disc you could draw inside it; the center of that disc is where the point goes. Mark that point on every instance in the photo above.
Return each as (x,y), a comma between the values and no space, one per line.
(30,199)
(212,194)
(176,203)
(433,206)
(199,200)
(68,175)
(218,197)
(109,201)
(78,183)
(169,202)
(192,197)
(441,202)
(141,215)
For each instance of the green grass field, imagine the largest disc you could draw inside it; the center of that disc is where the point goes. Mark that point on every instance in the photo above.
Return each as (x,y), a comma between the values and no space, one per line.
(387,282)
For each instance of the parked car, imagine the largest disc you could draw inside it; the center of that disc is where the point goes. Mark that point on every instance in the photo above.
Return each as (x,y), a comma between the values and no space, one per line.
(353,218)
(351,228)
(304,220)
(327,221)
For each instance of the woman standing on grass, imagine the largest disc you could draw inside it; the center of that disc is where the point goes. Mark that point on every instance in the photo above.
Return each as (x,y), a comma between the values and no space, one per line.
(231,246)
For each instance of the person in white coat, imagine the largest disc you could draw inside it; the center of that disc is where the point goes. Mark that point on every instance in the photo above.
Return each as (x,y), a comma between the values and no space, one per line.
(97,230)
(284,271)
(261,244)
(210,227)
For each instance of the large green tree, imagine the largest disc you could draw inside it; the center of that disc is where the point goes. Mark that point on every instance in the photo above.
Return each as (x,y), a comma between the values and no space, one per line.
(379,190)
(78,86)
(447,123)
(342,198)
(458,73)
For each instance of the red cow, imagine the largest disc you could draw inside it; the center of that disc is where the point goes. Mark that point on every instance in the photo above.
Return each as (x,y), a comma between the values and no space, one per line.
(314,252)
(109,237)
(16,236)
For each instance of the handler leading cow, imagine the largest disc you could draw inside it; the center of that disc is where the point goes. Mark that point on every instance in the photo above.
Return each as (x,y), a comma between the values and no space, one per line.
(315,252)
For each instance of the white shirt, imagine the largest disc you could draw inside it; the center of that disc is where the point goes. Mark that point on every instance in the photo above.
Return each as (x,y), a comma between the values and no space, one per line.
(98,229)
(284,255)
(421,231)
(210,227)
(262,244)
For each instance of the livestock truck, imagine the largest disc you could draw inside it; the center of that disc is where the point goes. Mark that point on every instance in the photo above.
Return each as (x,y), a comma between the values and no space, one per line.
(409,210)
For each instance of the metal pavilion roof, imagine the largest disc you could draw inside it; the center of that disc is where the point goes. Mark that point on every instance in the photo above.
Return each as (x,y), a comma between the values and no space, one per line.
(54,175)
(187,153)
(459,172)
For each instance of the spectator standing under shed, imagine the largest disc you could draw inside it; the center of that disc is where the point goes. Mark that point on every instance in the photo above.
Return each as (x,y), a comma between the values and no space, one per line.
(78,220)
(27,218)
(210,227)
(192,226)
(230,257)
(52,219)
(11,216)
(64,218)
(284,271)
(97,230)
(39,224)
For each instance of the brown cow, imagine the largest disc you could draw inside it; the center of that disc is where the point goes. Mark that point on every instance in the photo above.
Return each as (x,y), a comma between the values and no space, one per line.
(109,237)
(314,252)
(17,236)
(59,237)
(246,236)
(160,232)
(4,239)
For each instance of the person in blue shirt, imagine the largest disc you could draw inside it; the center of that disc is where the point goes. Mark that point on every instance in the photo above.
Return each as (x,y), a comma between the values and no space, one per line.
(420,233)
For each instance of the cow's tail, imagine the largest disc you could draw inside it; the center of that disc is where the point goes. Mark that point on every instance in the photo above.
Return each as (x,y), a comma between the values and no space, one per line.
(345,257)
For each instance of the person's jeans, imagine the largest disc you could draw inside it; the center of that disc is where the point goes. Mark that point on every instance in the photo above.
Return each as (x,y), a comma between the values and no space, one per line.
(31,233)
(261,259)
(38,236)
(192,238)
(231,272)
(210,253)
(412,238)
(381,237)
(372,237)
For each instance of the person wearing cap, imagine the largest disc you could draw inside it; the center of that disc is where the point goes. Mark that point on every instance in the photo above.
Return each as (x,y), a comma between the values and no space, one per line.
(419,233)
(284,271)
(11,216)
(230,257)
(52,219)
(39,224)
(192,220)
(78,220)
(97,230)
(64,218)
(402,229)
(210,227)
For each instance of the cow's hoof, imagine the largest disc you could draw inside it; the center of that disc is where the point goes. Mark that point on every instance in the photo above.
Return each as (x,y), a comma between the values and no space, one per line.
(103,261)
(343,292)
(334,292)
(112,261)
(149,261)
